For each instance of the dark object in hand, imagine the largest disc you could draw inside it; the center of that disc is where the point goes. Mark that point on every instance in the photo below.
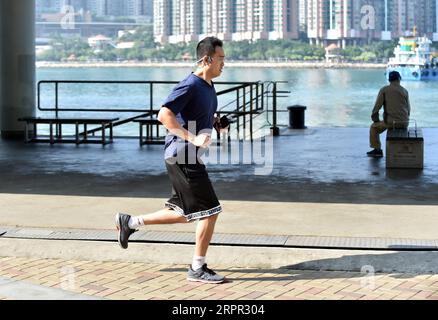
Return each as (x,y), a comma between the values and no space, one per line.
(221,123)
(224,122)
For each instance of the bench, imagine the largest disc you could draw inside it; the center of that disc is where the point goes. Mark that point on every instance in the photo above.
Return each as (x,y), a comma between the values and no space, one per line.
(405,148)
(149,123)
(57,137)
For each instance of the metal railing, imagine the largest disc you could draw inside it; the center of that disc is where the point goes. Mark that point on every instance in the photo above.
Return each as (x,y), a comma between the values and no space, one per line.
(251,100)
(275,95)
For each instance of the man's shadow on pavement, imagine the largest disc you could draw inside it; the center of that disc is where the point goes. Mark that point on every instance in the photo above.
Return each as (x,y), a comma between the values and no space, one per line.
(401,264)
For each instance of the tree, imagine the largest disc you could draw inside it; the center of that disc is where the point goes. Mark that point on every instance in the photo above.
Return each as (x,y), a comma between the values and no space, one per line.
(366,57)
(145,47)
(143,37)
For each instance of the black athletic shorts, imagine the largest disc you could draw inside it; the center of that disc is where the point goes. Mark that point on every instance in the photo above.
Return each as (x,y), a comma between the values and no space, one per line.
(192,193)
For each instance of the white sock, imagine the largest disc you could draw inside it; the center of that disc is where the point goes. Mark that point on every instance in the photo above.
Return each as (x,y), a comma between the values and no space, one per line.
(198,262)
(135,222)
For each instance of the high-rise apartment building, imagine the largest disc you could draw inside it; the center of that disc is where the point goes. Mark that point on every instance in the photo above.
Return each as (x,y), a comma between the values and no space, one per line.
(56,6)
(162,20)
(138,8)
(431,19)
(420,14)
(342,21)
(191,20)
(99,7)
(112,7)
(346,21)
(435,22)
(283,19)
(302,4)
(339,21)
(48,6)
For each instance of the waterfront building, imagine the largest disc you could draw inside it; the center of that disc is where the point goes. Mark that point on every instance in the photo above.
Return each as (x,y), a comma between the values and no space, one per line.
(421,14)
(347,21)
(302,13)
(191,20)
(133,8)
(351,21)
(48,6)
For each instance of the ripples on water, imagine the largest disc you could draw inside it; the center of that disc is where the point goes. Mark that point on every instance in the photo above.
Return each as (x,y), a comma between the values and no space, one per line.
(334,97)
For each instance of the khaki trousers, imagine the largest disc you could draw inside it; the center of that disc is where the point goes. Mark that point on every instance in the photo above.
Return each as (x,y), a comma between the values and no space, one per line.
(376,129)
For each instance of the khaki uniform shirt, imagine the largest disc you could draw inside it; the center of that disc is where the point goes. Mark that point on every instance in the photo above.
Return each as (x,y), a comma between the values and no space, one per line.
(395,101)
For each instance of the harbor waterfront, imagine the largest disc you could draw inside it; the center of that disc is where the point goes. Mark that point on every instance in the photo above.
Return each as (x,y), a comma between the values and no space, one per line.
(279,63)
(334,97)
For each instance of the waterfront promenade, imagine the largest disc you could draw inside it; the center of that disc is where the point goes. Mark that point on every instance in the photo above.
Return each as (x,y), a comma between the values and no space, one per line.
(316,227)
(231,64)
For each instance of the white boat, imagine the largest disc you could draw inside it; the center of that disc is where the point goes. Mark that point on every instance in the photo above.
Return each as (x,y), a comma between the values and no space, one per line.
(414,60)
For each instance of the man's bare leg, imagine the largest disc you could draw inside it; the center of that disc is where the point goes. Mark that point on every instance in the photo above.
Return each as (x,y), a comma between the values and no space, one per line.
(164,216)
(126,225)
(204,233)
(197,272)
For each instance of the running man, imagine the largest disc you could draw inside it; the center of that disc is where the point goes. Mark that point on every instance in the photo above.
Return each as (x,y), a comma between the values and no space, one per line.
(189,115)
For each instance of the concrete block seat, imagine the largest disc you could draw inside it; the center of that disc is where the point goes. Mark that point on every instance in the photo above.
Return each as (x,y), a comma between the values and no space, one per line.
(405,148)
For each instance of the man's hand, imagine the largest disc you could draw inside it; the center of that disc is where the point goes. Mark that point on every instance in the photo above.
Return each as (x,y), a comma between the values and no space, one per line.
(202,140)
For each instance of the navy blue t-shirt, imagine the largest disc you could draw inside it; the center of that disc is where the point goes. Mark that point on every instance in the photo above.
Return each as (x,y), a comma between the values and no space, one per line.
(192,100)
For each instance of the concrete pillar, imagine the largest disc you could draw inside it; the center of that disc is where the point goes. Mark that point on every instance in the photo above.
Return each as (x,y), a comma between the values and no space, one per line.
(17,65)
(435,35)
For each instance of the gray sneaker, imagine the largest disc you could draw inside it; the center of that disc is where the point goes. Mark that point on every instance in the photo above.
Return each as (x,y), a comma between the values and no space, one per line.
(204,275)
(123,229)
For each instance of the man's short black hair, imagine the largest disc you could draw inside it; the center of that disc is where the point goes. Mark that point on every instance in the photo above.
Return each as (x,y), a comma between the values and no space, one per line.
(394,76)
(207,47)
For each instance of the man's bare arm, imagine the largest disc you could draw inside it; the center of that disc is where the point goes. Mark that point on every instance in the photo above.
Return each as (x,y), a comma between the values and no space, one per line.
(168,119)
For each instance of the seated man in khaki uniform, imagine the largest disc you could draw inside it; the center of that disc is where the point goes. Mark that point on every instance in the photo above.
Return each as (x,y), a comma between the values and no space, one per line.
(396,110)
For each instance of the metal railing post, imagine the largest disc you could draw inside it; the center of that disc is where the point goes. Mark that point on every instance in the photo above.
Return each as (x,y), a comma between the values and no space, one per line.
(275,129)
(244,113)
(56,99)
(251,115)
(151,107)
(263,96)
(238,117)
(257,95)
(38,96)
(56,105)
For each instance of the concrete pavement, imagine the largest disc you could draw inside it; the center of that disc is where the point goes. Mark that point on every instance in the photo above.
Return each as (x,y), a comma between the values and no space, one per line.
(238,217)
(23,290)
(318,187)
(140,281)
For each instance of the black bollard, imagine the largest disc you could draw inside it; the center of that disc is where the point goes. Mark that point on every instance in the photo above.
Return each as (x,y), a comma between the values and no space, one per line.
(296,117)
(275,131)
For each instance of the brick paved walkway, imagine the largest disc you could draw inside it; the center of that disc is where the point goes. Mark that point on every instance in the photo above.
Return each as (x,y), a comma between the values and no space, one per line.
(120,280)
